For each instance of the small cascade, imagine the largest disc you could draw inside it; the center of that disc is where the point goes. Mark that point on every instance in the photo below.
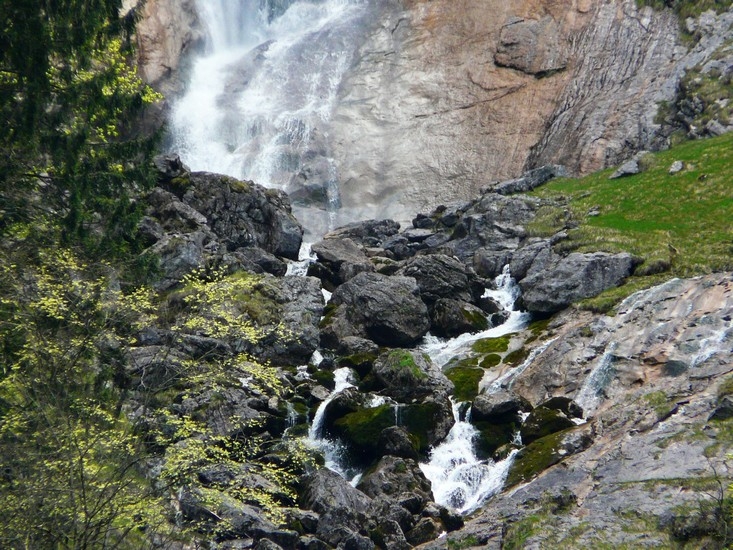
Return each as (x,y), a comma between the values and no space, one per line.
(292,415)
(719,341)
(333,451)
(590,394)
(506,294)
(460,480)
(305,258)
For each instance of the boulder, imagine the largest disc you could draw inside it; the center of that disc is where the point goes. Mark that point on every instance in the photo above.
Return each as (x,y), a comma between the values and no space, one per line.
(499,407)
(387,310)
(342,259)
(396,441)
(556,282)
(409,375)
(325,490)
(240,213)
(543,421)
(440,276)
(450,318)
(532,46)
(367,233)
(628,168)
(531,180)
(393,476)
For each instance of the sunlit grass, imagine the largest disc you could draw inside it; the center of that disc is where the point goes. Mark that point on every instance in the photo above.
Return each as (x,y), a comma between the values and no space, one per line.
(679,225)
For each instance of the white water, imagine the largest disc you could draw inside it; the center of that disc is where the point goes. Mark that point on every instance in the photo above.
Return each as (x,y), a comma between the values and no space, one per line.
(258,104)
(459,479)
(507,292)
(333,451)
(506,380)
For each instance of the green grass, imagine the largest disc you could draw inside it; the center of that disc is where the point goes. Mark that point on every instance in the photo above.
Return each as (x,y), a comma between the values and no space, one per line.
(678,225)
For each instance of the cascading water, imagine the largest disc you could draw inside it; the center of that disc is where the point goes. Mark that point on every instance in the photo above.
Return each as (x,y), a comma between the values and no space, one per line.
(258,104)
(458,477)
(600,376)
(333,451)
(506,294)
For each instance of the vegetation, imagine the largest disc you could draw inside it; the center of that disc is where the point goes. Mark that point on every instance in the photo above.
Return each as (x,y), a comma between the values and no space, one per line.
(66,88)
(677,225)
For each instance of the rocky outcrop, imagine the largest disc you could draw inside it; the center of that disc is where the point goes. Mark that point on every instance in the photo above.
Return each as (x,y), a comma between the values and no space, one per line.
(532,46)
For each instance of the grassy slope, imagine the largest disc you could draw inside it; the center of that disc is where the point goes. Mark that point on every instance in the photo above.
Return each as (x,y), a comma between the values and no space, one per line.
(680,225)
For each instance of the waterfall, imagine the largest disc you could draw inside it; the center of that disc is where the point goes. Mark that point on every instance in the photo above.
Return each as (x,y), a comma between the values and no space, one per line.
(458,477)
(259,102)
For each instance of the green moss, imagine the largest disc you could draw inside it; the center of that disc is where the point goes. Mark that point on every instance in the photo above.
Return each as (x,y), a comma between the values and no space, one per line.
(516,357)
(476,319)
(361,429)
(492,436)
(683,220)
(464,542)
(659,401)
(328,313)
(519,533)
(536,328)
(466,382)
(726,387)
(489,361)
(535,458)
(419,420)
(324,378)
(492,345)
(403,359)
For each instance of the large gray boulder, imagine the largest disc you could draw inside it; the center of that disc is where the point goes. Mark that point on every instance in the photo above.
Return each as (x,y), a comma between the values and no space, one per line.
(560,281)
(339,259)
(441,276)
(387,310)
(532,46)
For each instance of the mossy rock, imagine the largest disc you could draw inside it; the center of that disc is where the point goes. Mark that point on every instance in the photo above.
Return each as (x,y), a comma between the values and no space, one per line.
(361,362)
(542,422)
(516,357)
(490,361)
(328,314)
(419,420)
(547,451)
(403,359)
(466,381)
(324,378)
(476,318)
(492,345)
(360,430)
(492,436)
(462,362)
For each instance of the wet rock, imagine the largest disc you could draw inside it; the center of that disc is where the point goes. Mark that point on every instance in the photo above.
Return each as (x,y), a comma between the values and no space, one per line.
(440,276)
(426,530)
(498,407)
(543,421)
(367,233)
(342,508)
(342,259)
(553,283)
(450,318)
(395,441)
(384,309)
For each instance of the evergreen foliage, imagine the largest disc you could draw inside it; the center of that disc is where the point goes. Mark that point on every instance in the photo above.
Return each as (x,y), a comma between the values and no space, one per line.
(66,89)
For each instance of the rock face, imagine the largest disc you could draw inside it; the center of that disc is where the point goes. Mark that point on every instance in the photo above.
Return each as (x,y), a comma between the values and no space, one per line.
(470,92)
(648,378)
